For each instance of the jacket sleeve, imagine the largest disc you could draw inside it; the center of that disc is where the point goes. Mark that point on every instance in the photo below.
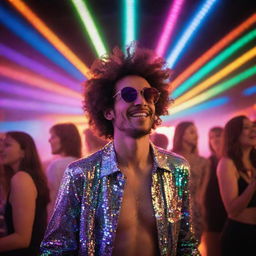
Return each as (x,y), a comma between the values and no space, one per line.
(61,237)
(187,243)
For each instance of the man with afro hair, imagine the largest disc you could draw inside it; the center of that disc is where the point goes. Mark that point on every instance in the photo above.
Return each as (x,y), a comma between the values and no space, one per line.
(130,197)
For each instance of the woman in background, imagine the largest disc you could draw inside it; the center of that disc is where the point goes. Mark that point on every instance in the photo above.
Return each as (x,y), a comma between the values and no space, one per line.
(185,144)
(215,214)
(237,180)
(27,196)
(65,142)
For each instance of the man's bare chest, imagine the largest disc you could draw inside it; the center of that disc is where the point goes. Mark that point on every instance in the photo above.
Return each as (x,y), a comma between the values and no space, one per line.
(136,207)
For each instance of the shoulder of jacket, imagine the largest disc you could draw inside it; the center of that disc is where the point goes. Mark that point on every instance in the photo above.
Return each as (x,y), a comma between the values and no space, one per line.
(172,154)
(174,159)
(86,163)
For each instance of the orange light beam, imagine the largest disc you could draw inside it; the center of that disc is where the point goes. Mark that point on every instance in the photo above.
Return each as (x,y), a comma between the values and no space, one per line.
(217,76)
(214,50)
(37,81)
(50,36)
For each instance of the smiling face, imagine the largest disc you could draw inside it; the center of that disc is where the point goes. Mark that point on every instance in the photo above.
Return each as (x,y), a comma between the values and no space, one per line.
(133,119)
(12,153)
(248,135)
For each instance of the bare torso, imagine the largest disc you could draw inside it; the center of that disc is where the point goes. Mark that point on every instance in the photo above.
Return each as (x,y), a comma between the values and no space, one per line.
(136,231)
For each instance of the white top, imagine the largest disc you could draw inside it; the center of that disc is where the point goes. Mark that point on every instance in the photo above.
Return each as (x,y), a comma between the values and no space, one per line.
(54,173)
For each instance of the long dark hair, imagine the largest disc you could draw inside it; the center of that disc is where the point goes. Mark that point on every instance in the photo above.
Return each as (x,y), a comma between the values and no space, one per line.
(30,163)
(232,146)
(69,138)
(178,136)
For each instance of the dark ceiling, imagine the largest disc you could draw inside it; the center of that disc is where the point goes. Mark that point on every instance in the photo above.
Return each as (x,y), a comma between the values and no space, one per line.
(61,17)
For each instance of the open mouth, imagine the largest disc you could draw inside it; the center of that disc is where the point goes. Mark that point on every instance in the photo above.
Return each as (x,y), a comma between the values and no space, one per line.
(140,115)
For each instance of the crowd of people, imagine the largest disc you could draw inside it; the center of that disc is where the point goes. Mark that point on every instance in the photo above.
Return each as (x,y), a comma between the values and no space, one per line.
(130,197)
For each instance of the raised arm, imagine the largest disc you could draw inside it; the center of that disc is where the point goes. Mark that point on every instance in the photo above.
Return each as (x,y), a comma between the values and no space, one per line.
(22,198)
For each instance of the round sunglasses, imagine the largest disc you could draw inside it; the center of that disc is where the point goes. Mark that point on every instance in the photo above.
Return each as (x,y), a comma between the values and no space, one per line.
(130,94)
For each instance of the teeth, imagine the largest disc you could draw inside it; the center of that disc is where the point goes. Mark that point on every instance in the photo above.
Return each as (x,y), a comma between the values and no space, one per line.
(139,115)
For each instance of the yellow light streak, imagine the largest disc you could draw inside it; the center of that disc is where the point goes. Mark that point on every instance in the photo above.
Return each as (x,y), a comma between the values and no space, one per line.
(217,76)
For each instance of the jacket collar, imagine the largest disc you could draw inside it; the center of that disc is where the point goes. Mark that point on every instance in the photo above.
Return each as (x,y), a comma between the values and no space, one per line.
(109,163)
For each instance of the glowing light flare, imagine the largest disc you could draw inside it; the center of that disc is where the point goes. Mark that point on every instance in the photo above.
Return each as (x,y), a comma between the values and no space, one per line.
(186,36)
(217,89)
(38,106)
(250,91)
(29,35)
(90,26)
(214,63)
(248,111)
(168,131)
(50,36)
(15,89)
(198,108)
(37,81)
(33,127)
(218,76)
(130,20)
(55,118)
(37,67)
(213,51)
(169,26)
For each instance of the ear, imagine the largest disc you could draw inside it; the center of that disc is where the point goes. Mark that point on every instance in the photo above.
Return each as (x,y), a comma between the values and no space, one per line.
(109,114)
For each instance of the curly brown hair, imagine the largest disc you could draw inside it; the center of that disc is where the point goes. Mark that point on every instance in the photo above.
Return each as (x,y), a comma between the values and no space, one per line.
(100,89)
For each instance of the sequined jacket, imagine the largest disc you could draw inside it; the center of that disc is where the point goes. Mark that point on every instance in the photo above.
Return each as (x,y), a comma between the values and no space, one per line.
(89,201)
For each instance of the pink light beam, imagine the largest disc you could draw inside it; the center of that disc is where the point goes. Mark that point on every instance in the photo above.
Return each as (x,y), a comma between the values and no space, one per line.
(169,26)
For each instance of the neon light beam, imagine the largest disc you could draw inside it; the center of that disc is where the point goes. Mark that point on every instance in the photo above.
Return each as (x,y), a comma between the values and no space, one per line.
(90,27)
(169,26)
(214,63)
(50,36)
(29,35)
(218,76)
(37,67)
(193,26)
(217,89)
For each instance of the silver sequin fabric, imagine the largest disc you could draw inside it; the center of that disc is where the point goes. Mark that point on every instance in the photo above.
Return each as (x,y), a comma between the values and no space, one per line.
(86,213)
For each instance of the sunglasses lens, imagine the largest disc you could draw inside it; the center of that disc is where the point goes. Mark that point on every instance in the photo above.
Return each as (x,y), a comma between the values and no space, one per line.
(151,95)
(129,94)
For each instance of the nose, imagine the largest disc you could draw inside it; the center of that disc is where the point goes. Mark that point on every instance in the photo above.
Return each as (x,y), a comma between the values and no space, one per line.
(140,100)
